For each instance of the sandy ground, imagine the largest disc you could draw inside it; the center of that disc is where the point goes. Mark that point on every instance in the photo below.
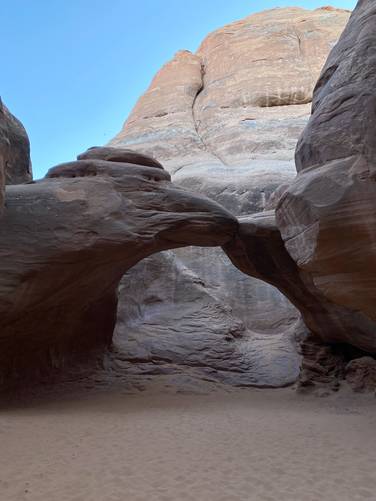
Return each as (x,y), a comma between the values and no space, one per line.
(246,445)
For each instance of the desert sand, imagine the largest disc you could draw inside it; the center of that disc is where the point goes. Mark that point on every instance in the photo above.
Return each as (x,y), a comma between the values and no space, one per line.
(243,445)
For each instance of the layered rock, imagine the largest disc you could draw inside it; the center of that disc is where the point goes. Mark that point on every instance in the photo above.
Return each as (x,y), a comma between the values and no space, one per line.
(227,118)
(320,249)
(184,328)
(259,251)
(327,215)
(3,155)
(225,122)
(14,149)
(67,240)
(15,164)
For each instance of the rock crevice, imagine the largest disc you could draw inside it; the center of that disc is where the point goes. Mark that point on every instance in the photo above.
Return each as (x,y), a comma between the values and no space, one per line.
(197,122)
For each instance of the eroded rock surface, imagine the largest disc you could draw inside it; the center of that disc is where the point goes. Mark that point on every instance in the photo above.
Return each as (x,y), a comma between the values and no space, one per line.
(15,164)
(225,122)
(14,148)
(228,117)
(119,155)
(260,65)
(89,221)
(67,240)
(327,215)
(3,156)
(361,374)
(184,327)
(259,251)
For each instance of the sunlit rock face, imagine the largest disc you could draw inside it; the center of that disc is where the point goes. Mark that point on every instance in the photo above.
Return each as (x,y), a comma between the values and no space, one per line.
(225,122)
(327,216)
(228,117)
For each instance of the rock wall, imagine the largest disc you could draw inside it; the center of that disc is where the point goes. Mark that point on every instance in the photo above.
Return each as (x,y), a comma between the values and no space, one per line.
(228,117)
(182,328)
(15,148)
(15,163)
(327,216)
(225,122)
(66,242)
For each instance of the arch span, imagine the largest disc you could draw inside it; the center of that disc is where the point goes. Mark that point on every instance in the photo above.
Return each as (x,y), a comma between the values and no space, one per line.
(259,250)
(66,241)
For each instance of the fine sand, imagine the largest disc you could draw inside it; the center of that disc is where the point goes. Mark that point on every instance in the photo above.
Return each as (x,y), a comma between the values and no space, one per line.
(246,445)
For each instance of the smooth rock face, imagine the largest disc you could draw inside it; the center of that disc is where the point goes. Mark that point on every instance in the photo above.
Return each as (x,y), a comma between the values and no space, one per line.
(225,122)
(66,241)
(259,251)
(327,216)
(227,118)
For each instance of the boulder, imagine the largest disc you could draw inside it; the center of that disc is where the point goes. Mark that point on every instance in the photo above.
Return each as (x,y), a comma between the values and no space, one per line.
(119,155)
(361,374)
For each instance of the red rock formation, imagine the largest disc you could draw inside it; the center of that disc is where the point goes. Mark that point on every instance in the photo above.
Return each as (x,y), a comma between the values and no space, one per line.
(242,97)
(66,241)
(259,251)
(225,122)
(327,216)
(15,163)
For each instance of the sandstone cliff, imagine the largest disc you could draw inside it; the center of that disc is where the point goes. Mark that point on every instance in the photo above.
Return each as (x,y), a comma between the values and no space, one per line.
(327,216)
(15,164)
(225,122)
(67,241)
(228,117)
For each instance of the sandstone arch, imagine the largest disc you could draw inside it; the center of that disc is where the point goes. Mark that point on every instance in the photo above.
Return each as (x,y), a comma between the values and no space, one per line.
(66,241)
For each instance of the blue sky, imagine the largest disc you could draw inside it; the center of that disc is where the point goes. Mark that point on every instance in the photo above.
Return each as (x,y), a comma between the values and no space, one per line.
(72,70)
